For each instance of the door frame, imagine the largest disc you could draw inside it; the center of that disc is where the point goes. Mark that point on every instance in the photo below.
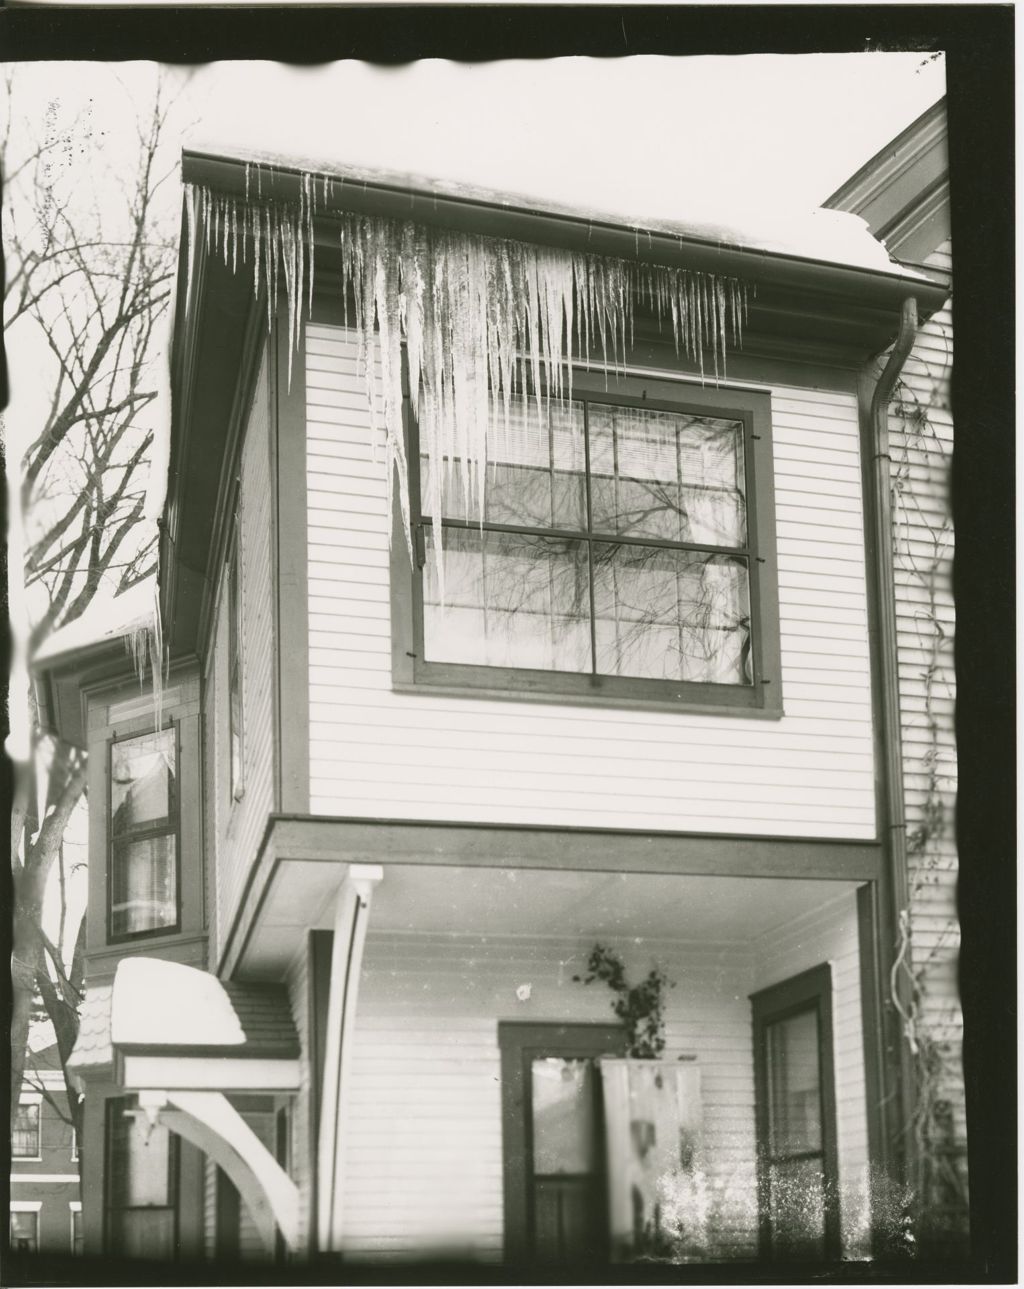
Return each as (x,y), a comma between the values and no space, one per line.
(521,1043)
(809,990)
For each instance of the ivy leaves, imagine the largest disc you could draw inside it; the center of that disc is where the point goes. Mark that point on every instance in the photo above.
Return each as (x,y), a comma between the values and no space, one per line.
(641,1008)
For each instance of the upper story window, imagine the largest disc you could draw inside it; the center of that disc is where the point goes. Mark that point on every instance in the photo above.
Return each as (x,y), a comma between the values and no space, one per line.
(25,1139)
(144,881)
(626,552)
(234,575)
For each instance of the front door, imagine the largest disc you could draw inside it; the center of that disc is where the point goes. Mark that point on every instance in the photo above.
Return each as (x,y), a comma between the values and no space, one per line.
(556,1205)
(797,1153)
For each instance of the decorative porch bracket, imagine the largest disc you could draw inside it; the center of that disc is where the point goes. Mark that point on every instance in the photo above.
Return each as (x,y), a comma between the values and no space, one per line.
(208,1120)
(351,916)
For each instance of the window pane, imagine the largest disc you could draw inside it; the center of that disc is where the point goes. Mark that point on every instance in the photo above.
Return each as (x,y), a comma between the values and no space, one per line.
(142,777)
(563,1116)
(797,1208)
(668,475)
(794,1086)
(77,1236)
(25,1232)
(144,885)
(25,1138)
(671,615)
(535,469)
(510,601)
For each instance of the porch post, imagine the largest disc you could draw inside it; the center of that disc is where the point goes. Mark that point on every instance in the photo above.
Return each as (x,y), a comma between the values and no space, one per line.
(351,916)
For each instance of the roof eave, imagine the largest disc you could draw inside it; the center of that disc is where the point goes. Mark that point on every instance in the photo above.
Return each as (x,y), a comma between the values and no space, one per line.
(229,175)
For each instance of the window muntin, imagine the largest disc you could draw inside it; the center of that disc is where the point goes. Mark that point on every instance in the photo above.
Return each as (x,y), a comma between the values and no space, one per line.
(25,1139)
(617,555)
(144,834)
(141,1184)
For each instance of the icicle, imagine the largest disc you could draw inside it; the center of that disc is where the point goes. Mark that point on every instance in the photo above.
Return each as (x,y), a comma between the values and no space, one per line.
(191,198)
(482,320)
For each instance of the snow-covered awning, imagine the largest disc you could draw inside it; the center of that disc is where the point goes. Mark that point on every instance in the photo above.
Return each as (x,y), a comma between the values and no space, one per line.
(167,1025)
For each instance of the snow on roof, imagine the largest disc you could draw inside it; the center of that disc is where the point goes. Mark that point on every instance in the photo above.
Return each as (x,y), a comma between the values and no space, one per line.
(401,130)
(169,1003)
(107,618)
(830,236)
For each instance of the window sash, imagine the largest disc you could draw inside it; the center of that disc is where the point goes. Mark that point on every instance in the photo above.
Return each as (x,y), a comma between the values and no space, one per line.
(746,653)
(123,840)
(26,1137)
(24,1231)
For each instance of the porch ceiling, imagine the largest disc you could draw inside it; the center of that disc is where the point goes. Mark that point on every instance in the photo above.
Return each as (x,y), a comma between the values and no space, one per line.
(530,902)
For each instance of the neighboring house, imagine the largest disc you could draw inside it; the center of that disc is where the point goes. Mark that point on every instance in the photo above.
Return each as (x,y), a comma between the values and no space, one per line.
(46,1211)
(348,867)
(903,193)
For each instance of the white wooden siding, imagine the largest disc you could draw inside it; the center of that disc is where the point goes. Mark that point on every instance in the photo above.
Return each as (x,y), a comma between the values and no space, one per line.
(424,1169)
(829,934)
(926,623)
(240,824)
(376,752)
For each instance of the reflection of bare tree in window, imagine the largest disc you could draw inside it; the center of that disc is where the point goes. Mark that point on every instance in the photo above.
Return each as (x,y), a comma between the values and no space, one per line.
(611,578)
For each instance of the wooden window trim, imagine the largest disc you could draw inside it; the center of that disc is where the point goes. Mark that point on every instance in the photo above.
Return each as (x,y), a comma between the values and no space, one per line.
(809,990)
(411,672)
(519,1044)
(112,1107)
(171,829)
(23,1103)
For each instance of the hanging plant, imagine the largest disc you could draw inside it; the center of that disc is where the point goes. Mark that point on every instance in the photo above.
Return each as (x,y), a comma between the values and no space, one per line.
(641,1008)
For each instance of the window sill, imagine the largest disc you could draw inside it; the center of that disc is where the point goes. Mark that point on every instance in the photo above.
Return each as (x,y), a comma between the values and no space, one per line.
(553,698)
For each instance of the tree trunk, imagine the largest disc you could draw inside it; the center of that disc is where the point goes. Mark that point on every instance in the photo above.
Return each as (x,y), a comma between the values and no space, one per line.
(67,782)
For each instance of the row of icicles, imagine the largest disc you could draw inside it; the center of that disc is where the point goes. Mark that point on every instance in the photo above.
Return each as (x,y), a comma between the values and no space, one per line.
(471,311)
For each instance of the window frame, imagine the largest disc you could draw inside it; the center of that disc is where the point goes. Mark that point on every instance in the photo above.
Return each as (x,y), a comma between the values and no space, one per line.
(118,1105)
(24,1208)
(236,662)
(762,698)
(75,1211)
(25,1101)
(519,1043)
(811,990)
(172,829)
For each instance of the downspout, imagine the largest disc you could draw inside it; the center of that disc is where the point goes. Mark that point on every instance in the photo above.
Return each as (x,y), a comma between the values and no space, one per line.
(894,911)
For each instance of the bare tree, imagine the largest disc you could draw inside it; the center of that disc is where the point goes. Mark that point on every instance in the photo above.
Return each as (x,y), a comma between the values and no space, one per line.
(89,258)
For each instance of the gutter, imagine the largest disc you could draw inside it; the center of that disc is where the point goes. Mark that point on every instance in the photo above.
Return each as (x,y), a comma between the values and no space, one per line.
(894,894)
(885,290)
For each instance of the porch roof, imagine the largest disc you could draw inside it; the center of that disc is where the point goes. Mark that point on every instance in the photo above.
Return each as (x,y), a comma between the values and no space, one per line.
(164,1009)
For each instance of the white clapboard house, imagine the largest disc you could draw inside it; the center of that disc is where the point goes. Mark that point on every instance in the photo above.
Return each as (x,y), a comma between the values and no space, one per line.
(532,604)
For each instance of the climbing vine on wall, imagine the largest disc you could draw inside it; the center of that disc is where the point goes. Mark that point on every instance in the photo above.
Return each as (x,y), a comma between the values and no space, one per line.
(922,549)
